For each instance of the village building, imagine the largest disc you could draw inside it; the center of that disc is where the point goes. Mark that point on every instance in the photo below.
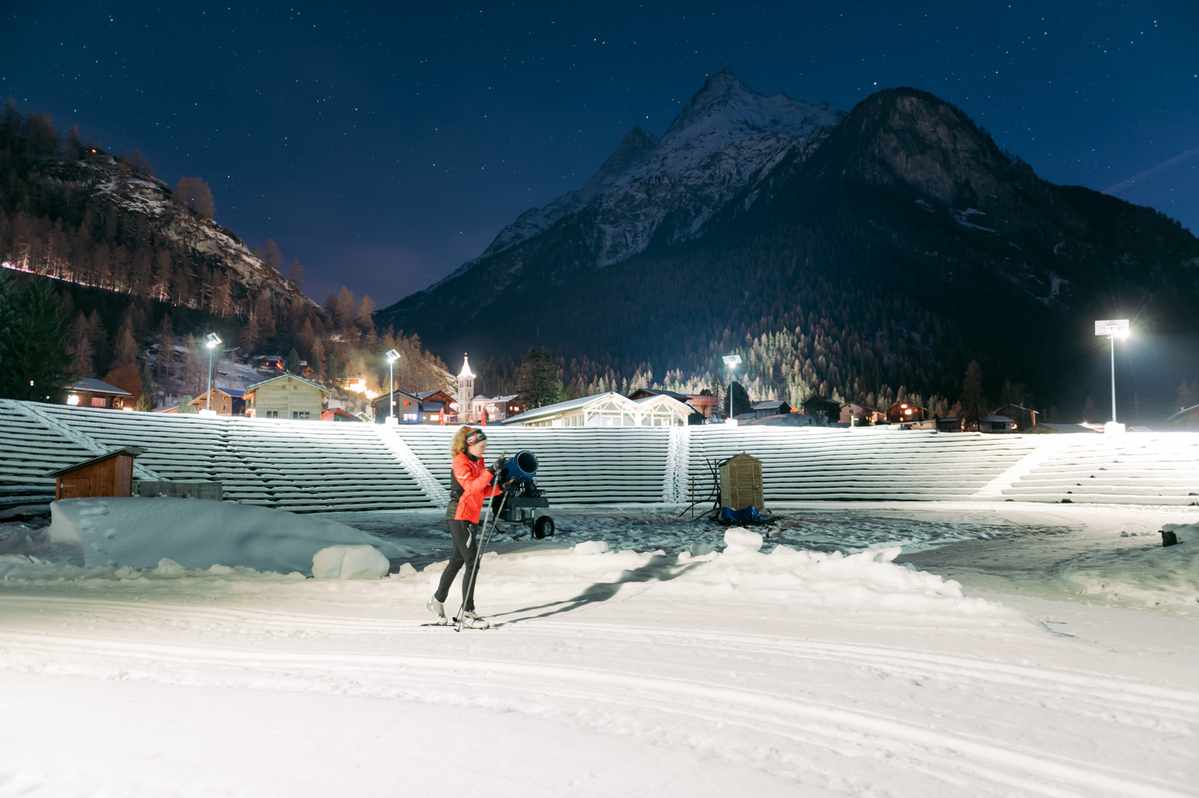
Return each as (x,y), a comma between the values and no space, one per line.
(949,424)
(495,409)
(606,410)
(1025,417)
(466,392)
(705,403)
(286,396)
(820,407)
(412,407)
(764,408)
(905,412)
(225,401)
(701,403)
(854,415)
(91,392)
(996,423)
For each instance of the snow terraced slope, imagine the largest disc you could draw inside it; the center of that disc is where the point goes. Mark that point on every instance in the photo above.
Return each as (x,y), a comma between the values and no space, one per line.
(581,466)
(313,466)
(1137,468)
(301,466)
(866,463)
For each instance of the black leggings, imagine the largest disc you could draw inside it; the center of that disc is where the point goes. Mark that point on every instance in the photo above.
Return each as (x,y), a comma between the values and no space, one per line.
(463,554)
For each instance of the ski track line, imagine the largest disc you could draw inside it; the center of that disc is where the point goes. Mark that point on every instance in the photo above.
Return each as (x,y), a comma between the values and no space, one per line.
(986,754)
(1073,682)
(752,723)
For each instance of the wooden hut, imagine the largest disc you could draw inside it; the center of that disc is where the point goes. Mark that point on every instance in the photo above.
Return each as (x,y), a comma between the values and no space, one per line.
(109,474)
(741,483)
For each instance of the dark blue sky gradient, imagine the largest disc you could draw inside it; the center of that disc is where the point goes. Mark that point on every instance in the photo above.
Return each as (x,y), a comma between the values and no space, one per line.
(383,148)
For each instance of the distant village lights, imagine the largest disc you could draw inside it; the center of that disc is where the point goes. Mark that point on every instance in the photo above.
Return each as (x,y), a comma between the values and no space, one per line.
(1113,329)
(211,342)
(392,356)
(732,362)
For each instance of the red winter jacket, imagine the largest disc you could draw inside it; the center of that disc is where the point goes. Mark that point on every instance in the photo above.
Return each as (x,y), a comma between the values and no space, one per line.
(473,478)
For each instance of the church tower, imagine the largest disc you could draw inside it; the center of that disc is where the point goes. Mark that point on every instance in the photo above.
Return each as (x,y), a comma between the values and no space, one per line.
(466,392)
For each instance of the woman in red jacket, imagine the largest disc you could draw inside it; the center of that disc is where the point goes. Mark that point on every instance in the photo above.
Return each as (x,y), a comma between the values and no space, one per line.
(471,485)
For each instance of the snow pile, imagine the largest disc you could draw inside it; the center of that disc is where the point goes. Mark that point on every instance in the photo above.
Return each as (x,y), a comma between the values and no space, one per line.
(349,562)
(742,541)
(783,579)
(868,580)
(195,533)
(1142,575)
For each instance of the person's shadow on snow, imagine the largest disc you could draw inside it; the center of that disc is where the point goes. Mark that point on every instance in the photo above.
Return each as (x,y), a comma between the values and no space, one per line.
(661,568)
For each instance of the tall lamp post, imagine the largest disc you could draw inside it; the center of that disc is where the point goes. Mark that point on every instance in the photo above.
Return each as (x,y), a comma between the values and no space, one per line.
(732,362)
(1113,329)
(211,342)
(392,356)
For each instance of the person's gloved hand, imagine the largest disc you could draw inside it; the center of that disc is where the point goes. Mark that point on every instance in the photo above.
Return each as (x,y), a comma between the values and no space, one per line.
(497,470)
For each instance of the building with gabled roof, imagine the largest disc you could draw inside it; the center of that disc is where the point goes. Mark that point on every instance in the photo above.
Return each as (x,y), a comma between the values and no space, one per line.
(606,410)
(495,408)
(286,396)
(91,392)
(226,401)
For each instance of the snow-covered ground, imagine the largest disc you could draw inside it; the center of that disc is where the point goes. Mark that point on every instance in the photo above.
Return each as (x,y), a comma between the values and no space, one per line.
(986,654)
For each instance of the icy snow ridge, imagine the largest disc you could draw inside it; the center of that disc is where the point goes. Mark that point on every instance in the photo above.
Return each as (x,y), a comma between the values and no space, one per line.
(195,533)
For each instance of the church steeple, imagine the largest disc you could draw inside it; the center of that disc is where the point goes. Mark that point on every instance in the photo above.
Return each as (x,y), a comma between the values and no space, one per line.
(466,390)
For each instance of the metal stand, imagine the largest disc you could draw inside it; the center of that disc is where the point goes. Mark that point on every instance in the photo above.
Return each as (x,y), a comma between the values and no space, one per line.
(484,536)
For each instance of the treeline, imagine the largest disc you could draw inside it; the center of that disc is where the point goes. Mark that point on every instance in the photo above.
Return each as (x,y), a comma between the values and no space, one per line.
(800,333)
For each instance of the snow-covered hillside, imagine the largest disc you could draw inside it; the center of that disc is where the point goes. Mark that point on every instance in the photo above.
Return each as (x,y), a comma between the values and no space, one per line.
(106,180)
(722,140)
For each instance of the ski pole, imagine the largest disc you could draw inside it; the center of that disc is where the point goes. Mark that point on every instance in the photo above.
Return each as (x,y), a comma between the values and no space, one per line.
(484,534)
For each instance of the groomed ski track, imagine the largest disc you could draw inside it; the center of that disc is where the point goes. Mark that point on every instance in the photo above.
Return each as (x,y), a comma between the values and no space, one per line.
(869,706)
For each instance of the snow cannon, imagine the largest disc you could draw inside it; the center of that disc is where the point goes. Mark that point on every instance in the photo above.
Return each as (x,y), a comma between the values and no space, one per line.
(521,467)
(523,502)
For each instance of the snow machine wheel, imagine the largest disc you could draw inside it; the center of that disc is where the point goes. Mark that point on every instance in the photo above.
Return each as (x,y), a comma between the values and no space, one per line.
(543,527)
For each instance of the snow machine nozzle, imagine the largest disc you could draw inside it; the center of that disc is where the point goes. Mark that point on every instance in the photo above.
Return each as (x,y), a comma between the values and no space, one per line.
(521,467)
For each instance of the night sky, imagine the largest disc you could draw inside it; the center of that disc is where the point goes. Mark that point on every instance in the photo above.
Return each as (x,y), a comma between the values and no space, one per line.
(385,148)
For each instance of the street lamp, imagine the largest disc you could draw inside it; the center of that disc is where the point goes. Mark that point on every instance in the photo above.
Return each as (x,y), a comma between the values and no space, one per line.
(732,362)
(392,356)
(1113,329)
(211,342)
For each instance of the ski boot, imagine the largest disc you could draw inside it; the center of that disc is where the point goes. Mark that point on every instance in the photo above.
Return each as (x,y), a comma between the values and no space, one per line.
(468,619)
(437,609)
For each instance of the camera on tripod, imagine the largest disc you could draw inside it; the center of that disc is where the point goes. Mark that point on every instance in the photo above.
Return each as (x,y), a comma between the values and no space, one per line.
(522,501)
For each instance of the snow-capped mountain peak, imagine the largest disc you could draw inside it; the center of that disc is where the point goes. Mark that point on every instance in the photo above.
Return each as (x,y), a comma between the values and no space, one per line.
(725,136)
